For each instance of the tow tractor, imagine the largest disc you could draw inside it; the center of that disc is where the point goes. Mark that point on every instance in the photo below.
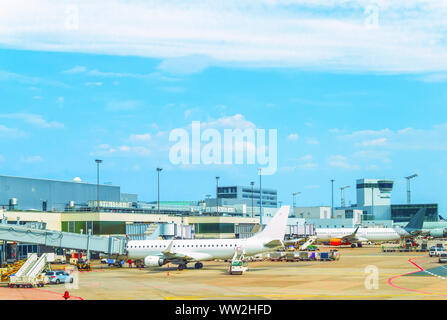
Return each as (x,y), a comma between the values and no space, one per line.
(238,265)
(83,265)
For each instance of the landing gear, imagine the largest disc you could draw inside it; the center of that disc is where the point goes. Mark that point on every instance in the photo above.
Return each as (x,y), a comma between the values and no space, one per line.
(353,245)
(198,265)
(181,266)
(359,245)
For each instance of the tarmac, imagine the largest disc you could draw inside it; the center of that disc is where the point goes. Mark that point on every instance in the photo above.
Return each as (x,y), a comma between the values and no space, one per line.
(361,273)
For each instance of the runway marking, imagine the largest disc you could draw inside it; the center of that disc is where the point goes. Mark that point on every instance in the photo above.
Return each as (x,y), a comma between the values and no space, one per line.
(390,280)
(297,296)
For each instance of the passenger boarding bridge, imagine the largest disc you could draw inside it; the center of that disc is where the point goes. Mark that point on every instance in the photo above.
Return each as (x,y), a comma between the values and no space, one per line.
(85,242)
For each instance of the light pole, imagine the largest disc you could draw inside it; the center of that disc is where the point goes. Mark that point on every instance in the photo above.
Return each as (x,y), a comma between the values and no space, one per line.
(252,184)
(372,200)
(342,191)
(294,194)
(408,186)
(158,173)
(98,162)
(260,196)
(332,206)
(217,195)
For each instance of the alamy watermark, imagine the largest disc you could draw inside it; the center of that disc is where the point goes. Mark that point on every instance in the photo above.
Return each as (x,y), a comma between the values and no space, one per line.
(372,278)
(73,285)
(236,146)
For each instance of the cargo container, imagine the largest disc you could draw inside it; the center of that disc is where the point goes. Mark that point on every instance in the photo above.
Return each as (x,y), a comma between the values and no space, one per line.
(276,256)
(324,256)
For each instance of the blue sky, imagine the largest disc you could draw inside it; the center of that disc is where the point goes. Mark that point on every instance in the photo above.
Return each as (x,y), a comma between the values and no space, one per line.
(349,100)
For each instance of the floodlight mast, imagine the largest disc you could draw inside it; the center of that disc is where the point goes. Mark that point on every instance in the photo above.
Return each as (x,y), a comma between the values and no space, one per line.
(343,201)
(408,186)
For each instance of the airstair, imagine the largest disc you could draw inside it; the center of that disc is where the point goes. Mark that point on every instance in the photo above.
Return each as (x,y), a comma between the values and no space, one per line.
(309,242)
(27,265)
(238,264)
(31,273)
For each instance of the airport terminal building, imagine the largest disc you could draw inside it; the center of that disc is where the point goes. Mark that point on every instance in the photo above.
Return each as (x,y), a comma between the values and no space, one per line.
(374,202)
(248,195)
(51,195)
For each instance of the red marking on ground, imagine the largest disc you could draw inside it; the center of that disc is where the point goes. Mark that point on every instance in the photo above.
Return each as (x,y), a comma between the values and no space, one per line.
(390,280)
(58,293)
(7,293)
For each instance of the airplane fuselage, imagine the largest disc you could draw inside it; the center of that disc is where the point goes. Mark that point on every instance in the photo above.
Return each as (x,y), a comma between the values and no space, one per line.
(207,248)
(368,234)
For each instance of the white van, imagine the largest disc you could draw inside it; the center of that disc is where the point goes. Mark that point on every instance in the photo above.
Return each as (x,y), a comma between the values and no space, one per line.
(436,251)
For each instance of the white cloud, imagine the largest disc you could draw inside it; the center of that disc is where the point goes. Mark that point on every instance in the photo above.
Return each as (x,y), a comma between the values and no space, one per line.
(402,139)
(140,137)
(338,161)
(33,119)
(185,64)
(312,141)
(236,121)
(308,165)
(434,77)
(75,70)
(287,169)
(367,133)
(320,34)
(372,155)
(124,150)
(334,130)
(293,137)
(93,84)
(28,80)
(10,132)
(123,105)
(374,142)
(31,159)
(307,157)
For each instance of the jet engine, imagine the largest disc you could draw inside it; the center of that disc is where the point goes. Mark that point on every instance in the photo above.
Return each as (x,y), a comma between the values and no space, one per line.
(154,261)
(335,242)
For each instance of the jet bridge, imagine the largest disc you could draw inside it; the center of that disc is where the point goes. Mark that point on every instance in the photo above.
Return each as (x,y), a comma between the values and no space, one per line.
(108,245)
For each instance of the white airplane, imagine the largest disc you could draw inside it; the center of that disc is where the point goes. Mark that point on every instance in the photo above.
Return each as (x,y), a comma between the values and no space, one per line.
(346,236)
(156,253)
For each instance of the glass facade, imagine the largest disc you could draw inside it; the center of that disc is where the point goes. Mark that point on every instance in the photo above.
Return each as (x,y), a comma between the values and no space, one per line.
(51,195)
(269,196)
(404,212)
(214,228)
(97,227)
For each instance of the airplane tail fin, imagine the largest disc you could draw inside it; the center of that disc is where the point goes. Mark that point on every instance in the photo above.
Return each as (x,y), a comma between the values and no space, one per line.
(417,221)
(276,228)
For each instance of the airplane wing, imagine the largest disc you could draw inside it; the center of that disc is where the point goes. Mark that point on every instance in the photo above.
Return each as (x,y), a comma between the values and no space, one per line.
(352,237)
(274,244)
(293,241)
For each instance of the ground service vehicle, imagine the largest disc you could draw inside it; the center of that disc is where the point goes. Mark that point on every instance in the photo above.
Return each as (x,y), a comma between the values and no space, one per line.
(442,258)
(57,277)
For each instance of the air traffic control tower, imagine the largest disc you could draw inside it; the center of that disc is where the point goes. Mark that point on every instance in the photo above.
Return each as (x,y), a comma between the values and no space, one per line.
(374,197)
